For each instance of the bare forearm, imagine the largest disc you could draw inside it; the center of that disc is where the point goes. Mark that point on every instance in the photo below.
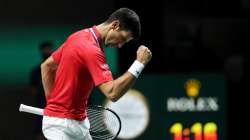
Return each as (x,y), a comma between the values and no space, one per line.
(118,87)
(48,78)
(122,84)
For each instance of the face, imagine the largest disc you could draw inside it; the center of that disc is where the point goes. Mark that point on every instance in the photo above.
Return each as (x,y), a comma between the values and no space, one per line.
(117,38)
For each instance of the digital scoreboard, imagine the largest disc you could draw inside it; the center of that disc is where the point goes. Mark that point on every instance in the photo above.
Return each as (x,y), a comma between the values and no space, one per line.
(196,109)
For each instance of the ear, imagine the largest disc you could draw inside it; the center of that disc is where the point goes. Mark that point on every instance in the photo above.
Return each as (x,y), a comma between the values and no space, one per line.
(115,25)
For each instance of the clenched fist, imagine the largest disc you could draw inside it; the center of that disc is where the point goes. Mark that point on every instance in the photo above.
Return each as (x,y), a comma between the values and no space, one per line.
(144,55)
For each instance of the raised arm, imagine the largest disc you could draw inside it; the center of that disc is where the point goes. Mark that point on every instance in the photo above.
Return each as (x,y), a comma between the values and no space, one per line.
(117,88)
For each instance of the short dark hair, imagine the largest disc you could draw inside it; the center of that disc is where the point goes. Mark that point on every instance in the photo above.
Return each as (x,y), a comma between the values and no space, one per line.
(128,19)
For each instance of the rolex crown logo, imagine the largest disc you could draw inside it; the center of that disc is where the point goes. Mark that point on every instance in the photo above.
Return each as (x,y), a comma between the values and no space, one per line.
(192,87)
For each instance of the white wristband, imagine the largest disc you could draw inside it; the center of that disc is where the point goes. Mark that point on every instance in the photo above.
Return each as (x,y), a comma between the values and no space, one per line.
(136,68)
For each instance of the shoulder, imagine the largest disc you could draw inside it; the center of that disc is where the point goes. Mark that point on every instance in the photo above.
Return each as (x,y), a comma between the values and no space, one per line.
(81,35)
(81,38)
(84,44)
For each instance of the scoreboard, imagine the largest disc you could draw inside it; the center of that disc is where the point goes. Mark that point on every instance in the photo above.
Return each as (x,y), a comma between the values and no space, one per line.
(185,107)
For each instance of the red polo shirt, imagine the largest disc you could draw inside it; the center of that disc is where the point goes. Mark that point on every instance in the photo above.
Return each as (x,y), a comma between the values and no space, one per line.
(81,66)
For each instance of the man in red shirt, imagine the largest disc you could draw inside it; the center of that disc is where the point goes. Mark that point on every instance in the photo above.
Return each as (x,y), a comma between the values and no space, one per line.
(72,71)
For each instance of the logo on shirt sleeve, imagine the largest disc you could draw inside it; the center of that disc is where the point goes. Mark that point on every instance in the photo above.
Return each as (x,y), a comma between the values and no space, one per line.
(105,67)
(106,70)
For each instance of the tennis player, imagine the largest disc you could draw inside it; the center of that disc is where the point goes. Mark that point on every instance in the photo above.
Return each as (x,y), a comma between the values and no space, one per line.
(72,71)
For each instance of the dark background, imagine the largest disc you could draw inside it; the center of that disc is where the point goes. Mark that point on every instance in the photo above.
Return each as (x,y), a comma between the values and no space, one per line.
(185,37)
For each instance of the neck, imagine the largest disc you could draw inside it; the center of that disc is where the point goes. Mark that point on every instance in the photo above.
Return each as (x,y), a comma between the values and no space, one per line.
(103,30)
